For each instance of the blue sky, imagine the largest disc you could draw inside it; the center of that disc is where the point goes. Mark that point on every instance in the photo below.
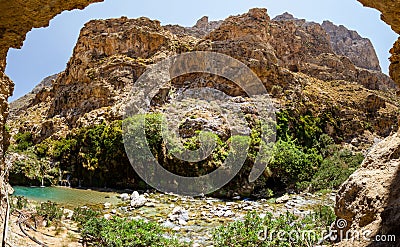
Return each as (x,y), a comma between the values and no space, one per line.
(47,50)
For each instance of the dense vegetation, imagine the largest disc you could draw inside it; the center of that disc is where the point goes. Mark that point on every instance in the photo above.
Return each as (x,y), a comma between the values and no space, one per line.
(283,231)
(255,230)
(304,157)
(119,232)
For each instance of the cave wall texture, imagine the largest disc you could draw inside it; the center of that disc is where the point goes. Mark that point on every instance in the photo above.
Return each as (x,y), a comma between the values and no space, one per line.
(19,16)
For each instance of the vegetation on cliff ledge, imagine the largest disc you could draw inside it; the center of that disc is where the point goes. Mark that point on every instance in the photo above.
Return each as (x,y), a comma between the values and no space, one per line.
(303,156)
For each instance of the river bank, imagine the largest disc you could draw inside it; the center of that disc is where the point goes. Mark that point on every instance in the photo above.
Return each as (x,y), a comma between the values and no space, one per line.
(191,219)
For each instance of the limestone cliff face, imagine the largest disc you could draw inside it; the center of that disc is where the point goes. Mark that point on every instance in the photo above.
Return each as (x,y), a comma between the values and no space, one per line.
(16,19)
(327,52)
(369,200)
(293,58)
(202,28)
(350,44)
(284,52)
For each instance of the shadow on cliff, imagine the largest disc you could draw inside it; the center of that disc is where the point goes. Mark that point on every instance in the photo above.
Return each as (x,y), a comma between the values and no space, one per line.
(390,225)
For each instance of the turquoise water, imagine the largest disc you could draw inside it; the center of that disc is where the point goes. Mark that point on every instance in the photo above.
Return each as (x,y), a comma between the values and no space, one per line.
(68,196)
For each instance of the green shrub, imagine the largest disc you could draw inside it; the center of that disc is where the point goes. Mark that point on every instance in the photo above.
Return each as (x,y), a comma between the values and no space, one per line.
(120,232)
(336,169)
(306,127)
(83,214)
(255,231)
(291,164)
(23,140)
(49,211)
(19,202)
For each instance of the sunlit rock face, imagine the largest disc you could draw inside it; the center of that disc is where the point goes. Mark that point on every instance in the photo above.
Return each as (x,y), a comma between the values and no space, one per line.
(350,44)
(293,58)
(18,18)
(369,199)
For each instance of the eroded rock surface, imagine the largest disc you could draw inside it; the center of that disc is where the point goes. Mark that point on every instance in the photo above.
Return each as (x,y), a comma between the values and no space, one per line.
(16,19)
(369,200)
(350,44)
(293,58)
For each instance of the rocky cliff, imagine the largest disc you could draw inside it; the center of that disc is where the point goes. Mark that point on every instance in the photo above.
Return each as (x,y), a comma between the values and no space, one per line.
(284,52)
(350,44)
(389,9)
(369,200)
(16,19)
(294,59)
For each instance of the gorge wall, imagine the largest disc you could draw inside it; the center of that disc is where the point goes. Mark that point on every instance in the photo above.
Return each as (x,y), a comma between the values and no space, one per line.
(19,17)
(370,199)
(16,20)
(294,59)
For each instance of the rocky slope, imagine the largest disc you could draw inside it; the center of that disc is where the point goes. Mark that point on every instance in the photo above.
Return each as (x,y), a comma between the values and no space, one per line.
(294,59)
(350,44)
(345,42)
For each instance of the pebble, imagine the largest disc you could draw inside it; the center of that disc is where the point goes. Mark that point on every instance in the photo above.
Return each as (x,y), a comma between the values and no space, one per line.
(182,222)
(150,204)
(282,199)
(137,200)
(168,224)
(124,197)
(229,213)
(68,213)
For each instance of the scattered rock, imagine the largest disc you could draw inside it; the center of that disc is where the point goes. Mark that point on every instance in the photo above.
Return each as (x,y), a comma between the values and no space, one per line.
(150,204)
(124,197)
(282,199)
(68,213)
(179,215)
(137,200)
